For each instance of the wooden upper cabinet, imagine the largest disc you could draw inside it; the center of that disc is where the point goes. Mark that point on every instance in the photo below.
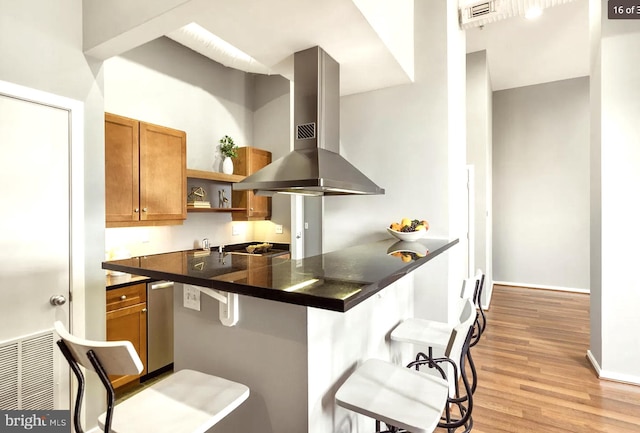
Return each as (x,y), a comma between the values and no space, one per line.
(250,160)
(145,173)
(163,173)
(121,153)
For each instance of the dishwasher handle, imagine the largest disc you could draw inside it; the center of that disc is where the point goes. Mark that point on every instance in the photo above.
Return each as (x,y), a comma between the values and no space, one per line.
(161,285)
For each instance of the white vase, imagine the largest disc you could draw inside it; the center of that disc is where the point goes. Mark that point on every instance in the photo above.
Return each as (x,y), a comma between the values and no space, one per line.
(227,165)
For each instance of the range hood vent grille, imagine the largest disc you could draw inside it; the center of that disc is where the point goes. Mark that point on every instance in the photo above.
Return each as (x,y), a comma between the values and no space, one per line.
(306,131)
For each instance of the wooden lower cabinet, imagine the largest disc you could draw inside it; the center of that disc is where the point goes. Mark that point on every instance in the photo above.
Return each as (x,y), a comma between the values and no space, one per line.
(127,320)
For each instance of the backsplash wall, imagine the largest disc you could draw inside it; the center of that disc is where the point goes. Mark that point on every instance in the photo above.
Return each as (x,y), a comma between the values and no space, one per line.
(164,83)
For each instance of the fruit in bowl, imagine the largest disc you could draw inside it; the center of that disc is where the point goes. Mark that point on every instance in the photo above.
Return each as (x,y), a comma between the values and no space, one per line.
(408,230)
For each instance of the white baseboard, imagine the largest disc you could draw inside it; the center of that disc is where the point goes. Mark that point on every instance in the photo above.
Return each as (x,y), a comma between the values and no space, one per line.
(609,375)
(538,286)
(485,306)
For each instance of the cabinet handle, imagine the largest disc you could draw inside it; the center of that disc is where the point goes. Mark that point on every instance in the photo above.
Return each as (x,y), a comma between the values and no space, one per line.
(144,310)
(136,210)
(251,209)
(144,209)
(123,297)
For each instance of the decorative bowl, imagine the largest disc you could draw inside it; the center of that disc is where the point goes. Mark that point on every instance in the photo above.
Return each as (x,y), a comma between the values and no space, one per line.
(407,236)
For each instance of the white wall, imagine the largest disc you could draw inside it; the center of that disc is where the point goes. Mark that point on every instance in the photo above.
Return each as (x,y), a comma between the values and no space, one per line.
(409,140)
(164,83)
(541,184)
(595,235)
(615,343)
(479,155)
(41,48)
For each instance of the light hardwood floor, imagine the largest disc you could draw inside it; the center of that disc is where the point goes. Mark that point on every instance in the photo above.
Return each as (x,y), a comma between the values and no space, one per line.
(533,372)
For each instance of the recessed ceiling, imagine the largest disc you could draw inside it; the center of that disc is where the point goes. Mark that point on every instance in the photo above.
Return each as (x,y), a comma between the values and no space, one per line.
(520,52)
(363,36)
(271,32)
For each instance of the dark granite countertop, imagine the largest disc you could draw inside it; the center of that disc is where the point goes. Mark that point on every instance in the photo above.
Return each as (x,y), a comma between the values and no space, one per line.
(336,281)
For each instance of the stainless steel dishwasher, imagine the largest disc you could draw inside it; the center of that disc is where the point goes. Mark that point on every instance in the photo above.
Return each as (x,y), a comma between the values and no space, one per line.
(159,327)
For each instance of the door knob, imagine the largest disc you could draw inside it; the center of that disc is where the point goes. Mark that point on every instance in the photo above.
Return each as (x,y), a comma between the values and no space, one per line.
(57,300)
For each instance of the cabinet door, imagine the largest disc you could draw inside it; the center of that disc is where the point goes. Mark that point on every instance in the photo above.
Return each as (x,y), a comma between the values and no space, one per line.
(121,169)
(163,177)
(250,160)
(258,206)
(129,323)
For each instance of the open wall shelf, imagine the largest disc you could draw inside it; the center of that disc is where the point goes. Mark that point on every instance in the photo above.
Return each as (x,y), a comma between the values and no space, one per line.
(217,177)
(212,183)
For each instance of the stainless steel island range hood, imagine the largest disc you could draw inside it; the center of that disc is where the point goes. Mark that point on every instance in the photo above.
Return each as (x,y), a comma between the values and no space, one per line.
(314,167)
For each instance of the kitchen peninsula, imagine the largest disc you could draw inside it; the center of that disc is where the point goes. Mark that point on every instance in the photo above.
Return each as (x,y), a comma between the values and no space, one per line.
(335,281)
(304,325)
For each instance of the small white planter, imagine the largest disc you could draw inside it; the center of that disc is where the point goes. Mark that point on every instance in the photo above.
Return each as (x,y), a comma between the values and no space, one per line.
(227,165)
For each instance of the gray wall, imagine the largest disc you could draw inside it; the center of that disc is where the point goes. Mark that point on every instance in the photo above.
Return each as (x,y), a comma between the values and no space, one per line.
(479,155)
(41,48)
(541,184)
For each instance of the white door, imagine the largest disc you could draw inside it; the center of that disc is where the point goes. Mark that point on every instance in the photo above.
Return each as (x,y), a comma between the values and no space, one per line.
(35,251)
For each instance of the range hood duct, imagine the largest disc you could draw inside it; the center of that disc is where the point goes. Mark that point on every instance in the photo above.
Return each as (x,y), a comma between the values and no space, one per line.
(314,167)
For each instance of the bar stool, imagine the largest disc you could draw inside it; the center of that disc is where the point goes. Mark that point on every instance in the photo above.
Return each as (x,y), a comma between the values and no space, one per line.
(433,335)
(185,402)
(406,399)
(482,318)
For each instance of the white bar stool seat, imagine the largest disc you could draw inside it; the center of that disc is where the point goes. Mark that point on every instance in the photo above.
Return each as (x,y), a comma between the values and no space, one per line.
(431,333)
(395,395)
(423,333)
(185,402)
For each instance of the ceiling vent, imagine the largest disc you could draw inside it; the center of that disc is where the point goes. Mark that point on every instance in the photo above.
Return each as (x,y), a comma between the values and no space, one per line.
(477,14)
(481,9)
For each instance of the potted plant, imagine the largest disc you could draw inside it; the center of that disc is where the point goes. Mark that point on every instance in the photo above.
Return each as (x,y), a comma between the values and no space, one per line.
(229,150)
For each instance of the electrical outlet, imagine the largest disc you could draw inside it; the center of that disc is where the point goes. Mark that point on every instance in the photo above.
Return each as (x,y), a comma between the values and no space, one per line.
(191,297)
(279,229)
(235,230)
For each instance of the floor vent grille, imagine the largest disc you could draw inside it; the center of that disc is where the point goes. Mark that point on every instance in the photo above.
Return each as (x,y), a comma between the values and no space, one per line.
(27,373)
